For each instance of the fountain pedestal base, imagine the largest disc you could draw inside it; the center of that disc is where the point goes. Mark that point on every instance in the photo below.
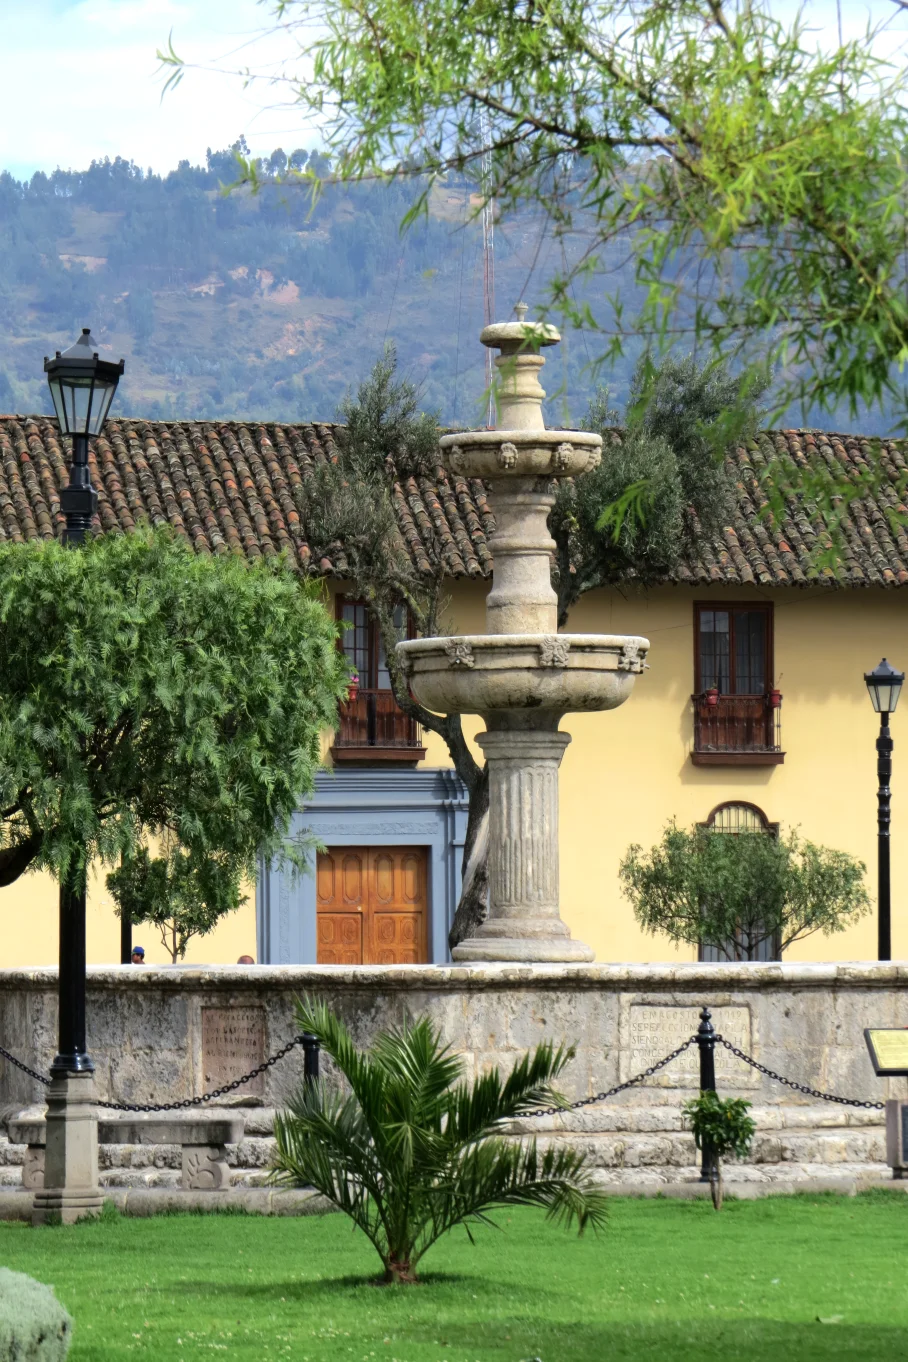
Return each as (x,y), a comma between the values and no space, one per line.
(545,947)
(524,923)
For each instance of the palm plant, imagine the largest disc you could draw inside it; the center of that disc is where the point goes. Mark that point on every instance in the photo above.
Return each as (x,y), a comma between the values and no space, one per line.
(409,1148)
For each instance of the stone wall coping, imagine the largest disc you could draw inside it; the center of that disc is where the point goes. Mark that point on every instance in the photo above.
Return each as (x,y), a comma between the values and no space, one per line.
(195,1130)
(709,980)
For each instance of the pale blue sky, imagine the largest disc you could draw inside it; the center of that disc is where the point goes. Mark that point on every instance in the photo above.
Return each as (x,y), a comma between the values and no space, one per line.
(81,80)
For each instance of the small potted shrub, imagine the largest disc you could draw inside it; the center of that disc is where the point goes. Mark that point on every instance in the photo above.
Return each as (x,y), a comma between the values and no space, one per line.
(721,1127)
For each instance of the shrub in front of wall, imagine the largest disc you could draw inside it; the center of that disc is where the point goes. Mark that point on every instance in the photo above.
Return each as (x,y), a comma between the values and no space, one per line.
(34,1327)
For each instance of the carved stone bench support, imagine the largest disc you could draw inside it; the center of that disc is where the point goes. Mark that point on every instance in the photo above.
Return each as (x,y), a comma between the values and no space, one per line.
(204,1145)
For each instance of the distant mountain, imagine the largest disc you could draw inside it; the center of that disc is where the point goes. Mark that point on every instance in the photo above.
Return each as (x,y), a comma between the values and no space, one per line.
(263,307)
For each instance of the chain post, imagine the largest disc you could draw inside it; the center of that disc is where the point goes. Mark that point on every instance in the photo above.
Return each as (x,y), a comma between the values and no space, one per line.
(310,1059)
(706,1040)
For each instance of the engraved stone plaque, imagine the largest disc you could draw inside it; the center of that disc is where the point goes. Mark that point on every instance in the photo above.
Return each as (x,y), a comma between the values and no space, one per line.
(233,1042)
(653,1030)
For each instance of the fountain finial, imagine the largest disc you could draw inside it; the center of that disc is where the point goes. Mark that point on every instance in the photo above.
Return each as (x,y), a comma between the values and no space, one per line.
(520,336)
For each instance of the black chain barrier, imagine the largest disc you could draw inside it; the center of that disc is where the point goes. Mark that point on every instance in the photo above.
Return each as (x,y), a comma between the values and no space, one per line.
(610,1092)
(308,1042)
(311,1048)
(32,1073)
(798,1087)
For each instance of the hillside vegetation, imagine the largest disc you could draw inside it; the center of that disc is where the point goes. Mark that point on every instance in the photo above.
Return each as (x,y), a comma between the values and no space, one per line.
(264,306)
(260,305)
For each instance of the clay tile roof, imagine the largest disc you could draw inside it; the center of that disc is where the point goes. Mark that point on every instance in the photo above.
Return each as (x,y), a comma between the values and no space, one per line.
(240,487)
(787,549)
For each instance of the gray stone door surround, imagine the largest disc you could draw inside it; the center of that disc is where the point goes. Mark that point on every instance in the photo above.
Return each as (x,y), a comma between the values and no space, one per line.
(364,807)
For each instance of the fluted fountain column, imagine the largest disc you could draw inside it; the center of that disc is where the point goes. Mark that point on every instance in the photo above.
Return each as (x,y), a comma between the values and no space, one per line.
(522,676)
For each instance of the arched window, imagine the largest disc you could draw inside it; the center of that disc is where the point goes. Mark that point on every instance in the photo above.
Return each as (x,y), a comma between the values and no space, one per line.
(737,817)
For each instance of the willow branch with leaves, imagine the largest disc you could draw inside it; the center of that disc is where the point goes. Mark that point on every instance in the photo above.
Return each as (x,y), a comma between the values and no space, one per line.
(691,134)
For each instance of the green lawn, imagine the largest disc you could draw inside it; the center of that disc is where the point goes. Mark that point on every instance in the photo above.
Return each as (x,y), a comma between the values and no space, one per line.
(666,1280)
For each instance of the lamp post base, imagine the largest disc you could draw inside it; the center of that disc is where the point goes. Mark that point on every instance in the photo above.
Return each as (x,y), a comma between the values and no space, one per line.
(70,1188)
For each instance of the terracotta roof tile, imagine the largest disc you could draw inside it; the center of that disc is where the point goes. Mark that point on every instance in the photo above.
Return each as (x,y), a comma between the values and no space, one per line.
(240,487)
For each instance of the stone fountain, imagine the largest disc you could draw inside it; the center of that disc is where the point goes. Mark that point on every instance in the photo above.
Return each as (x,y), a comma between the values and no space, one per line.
(522,676)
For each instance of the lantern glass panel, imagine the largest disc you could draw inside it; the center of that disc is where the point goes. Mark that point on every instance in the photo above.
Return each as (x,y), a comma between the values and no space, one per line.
(884,685)
(103,396)
(56,392)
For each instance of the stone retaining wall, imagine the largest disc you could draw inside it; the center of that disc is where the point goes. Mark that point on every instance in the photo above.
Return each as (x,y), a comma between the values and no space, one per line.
(159,1034)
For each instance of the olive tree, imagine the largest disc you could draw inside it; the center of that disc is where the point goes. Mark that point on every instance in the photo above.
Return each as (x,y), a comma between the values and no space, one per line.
(736,892)
(148,691)
(662,483)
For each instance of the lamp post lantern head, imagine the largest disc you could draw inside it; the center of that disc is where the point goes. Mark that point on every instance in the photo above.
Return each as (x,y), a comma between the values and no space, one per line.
(884,685)
(82,386)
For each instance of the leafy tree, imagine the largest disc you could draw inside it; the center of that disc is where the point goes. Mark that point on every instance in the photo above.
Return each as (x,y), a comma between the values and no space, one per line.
(722,1128)
(149,690)
(178,894)
(737,891)
(661,484)
(411,1149)
(756,181)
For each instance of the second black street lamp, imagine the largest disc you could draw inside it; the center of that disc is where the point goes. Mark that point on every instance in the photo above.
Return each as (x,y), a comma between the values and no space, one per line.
(82,386)
(884,684)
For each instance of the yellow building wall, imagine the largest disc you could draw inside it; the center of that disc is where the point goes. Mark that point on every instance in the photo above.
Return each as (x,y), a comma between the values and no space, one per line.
(627,772)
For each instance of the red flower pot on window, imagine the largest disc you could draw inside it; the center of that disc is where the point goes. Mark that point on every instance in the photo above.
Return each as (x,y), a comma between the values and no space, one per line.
(711,698)
(353,687)
(774,698)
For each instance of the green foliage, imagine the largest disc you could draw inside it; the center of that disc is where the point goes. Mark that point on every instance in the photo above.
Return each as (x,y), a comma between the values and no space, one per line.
(756,181)
(722,1128)
(661,483)
(148,690)
(736,891)
(721,1124)
(384,441)
(34,1327)
(412,1149)
(179,894)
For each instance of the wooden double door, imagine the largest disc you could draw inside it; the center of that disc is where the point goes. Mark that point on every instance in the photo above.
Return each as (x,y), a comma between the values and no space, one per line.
(371,906)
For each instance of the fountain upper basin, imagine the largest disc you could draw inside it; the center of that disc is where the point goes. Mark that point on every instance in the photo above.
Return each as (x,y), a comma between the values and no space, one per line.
(494,673)
(521,453)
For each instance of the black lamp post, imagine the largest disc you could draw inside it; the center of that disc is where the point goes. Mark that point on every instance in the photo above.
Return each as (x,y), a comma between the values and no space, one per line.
(82,386)
(884,684)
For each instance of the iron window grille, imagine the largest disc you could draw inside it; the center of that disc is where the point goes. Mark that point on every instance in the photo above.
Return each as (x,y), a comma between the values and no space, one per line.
(739,818)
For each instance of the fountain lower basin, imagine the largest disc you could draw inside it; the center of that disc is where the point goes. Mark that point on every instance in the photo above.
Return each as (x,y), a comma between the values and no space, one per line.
(523,674)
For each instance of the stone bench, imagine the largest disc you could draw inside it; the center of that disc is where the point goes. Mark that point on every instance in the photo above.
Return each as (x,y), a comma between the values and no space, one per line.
(203,1140)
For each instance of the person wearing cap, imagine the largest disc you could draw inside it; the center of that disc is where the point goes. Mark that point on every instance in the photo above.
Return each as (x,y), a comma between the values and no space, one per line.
(138,955)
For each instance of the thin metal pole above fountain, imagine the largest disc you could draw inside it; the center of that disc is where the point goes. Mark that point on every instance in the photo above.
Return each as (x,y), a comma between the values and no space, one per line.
(522,676)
